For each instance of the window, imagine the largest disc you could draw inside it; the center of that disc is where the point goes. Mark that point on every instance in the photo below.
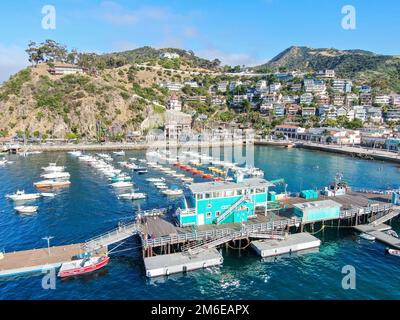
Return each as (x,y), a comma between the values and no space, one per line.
(217,213)
(208,214)
(209,205)
(207,195)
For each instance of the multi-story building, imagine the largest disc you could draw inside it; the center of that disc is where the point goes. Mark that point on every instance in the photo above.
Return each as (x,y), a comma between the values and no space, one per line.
(234,84)
(392,114)
(395,99)
(374,114)
(382,99)
(314,86)
(327,112)
(61,70)
(351,99)
(172,86)
(364,89)
(192,84)
(366,99)
(360,113)
(262,86)
(308,111)
(174,103)
(275,87)
(322,99)
(292,110)
(296,86)
(306,98)
(222,86)
(338,100)
(343,86)
(290,131)
(325,74)
(279,110)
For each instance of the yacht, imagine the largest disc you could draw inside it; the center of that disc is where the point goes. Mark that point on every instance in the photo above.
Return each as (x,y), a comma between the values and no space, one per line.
(22,196)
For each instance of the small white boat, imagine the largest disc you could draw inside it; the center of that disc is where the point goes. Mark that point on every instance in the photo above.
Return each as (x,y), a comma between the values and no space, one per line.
(48,195)
(367,236)
(132,196)
(162,187)
(393,252)
(187,179)
(3,162)
(155,180)
(56,175)
(26,209)
(53,168)
(173,192)
(119,153)
(392,233)
(22,196)
(122,184)
(132,159)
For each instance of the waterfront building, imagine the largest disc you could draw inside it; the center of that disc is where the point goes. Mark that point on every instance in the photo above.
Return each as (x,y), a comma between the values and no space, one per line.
(290,131)
(317,210)
(223,202)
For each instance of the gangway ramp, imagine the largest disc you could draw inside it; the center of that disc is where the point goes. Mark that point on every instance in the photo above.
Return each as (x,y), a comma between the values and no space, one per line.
(123,232)
(392,214)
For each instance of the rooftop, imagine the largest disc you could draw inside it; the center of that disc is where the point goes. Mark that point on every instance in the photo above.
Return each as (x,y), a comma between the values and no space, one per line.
(227,185)
(306,206)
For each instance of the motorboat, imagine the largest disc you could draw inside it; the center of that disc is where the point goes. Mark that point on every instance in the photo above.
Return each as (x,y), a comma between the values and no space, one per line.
(122,184)
(162,187)
(3,162)
(52,167)
(52,184)
(367,236)
(155,180)
(47,195)
(22,196)
(132,196)
(119,178)
(393,252)
(26,209)
(173,192)
(82,266)
(392,233)
(142,171)
(56,175)
(187,179)
(119,153)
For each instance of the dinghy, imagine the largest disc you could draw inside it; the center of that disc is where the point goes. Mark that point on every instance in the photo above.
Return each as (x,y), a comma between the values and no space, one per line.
(393,252)
(26,209)
(367,236)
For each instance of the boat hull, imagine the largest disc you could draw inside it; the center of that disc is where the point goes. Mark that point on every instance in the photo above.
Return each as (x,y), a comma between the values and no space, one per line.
(84,270)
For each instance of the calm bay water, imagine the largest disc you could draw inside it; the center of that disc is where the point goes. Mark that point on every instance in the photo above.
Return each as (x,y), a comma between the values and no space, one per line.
(90,207)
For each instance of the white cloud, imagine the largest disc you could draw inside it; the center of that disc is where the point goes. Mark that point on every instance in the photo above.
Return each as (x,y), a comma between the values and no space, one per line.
(230,58)
(12,60)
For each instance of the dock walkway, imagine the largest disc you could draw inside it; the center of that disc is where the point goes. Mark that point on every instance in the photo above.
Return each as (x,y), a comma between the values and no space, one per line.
(377,232)
(37,260)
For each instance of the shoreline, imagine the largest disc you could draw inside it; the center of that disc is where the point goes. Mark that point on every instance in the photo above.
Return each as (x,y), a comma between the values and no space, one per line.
(124,146)
(355,152)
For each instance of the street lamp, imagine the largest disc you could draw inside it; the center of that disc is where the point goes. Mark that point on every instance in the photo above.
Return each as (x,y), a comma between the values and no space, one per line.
(48,243)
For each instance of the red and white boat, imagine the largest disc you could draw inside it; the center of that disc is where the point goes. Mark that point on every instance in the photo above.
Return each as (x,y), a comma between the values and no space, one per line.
(83,266)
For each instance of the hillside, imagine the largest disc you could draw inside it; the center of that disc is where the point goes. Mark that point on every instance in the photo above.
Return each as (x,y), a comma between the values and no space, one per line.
(359,65)
(115,101)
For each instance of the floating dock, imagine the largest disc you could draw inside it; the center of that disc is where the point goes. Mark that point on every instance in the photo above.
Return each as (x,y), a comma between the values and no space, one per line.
(377,232)
(164,265)
(293,243)
(37,260)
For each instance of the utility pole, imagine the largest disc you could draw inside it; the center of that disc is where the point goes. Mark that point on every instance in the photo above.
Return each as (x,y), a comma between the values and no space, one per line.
(48,242)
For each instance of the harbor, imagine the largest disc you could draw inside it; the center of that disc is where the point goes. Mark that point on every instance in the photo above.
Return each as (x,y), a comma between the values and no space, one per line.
(265,221)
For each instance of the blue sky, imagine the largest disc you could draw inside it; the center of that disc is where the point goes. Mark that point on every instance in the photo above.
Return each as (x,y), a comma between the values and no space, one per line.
(236,31)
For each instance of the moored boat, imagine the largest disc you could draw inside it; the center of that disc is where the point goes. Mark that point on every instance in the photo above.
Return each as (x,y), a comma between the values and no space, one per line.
(119,153)
(367,236)
(122,184)
(26,209)
(132,196)
(393,252)
(56,175)
(173,192)
(22,196)
(83,266)
(52,184)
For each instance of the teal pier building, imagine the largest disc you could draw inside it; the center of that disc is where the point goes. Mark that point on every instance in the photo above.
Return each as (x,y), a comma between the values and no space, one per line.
(223,202)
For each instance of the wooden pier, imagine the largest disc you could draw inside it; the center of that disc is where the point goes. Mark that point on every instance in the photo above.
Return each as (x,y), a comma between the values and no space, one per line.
(37,260)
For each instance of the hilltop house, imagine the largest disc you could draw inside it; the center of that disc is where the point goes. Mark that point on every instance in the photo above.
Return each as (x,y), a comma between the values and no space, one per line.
(174,103)
(325,74)
(63,69)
